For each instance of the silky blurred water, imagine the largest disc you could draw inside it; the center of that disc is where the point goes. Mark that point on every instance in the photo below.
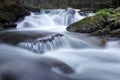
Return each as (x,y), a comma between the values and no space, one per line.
(88,61)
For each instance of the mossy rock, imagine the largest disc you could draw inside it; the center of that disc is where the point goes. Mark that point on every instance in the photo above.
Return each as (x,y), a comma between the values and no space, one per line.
(88,24)
(102,23)
(115,33)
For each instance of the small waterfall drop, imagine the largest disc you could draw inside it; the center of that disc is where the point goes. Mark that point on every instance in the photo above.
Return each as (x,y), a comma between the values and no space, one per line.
(43,45)
(47,19)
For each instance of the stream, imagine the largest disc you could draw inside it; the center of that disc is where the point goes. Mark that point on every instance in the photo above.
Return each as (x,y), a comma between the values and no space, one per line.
(82,53)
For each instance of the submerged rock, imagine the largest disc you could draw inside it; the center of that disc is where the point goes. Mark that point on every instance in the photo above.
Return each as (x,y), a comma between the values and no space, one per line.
(103,41)
(101,24)
(33,40)
(16,36)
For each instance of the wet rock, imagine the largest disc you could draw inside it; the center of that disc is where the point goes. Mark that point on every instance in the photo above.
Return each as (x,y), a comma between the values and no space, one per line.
(101,24)
(16,36)
(38,42)
(9,25)
(70,11)
(102,32)
(86,25)
(117,24)
(103,41)
(115,33)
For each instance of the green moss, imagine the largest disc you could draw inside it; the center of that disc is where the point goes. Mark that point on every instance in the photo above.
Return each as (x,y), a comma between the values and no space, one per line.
(101,16)
(103,13)
(94,20)
(102,19)
(85,20)
(107,13)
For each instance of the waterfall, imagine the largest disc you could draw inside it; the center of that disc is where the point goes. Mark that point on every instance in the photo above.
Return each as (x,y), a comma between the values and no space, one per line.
(81,52)
(50,19)
(55,20)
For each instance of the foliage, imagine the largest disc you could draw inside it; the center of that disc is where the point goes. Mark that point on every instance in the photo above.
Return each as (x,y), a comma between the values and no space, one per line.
(107,13)
(103,13)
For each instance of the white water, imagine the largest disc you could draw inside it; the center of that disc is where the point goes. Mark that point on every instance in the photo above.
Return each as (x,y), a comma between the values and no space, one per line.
(88,62)
(50,20)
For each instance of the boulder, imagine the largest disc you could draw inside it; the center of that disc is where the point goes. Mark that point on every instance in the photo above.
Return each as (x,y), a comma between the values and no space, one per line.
(86,25)
(101,24)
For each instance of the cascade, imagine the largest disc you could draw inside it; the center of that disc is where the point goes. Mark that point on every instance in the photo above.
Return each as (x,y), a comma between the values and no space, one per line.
(43,45)
(88,61)
(49,19)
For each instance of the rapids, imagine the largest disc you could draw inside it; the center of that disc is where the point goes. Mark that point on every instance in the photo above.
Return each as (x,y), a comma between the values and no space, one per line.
(81,53)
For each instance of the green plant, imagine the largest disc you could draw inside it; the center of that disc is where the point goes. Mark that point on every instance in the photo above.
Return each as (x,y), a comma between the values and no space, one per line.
(104,13)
